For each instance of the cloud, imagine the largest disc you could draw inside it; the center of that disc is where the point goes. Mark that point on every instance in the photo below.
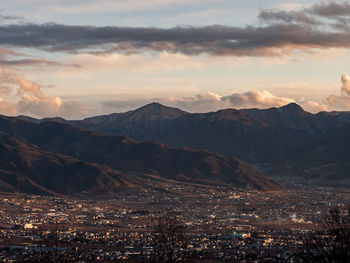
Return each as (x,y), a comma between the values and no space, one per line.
(86,6)
(256,99)
(30,99)
(342,101)
(30,62)
(9,57)
(276,15)
(7,108)
(207,101)
(321,17)
(26,85)
(6,17)
(211,101)
(40,104)
(331,9)
(345,79)
(314,107)
(135,63)
(313,15)
(263,99)
(200,103)
(281,31)
(34,101)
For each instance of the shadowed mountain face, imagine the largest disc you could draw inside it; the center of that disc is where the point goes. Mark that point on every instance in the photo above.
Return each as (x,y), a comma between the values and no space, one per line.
(229,132)
(27,168)
(314,145)
(150,113)
(74,152)
(253,135)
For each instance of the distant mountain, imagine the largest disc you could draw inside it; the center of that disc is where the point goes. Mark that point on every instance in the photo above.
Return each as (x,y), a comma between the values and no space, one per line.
(55,119)
(325,159)
(123,154)
(153,112)
(149,117)
(253,135)
(291,116)
(278,137)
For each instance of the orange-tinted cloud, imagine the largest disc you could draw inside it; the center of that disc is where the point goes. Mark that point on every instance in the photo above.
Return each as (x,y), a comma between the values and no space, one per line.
(209,101)
(342,101)
(7,108)
(30,99)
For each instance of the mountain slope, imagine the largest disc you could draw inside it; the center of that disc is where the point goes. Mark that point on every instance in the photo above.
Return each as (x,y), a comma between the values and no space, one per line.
(149,117)
(26,168)
(124,154)
(248,135)
(277,137)
(152,112)
(253,135)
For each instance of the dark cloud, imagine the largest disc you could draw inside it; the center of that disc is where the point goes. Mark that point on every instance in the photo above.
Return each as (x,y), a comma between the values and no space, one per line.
(32,62)
(332,15)
(5,17)
(9,19)
(331,9)
(311,15)
(9,57)
(281,31)
(276,15)
(215,40)
(25,62)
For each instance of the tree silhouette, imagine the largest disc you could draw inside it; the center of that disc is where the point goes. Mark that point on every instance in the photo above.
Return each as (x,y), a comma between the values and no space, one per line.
(332,243)
(169,240)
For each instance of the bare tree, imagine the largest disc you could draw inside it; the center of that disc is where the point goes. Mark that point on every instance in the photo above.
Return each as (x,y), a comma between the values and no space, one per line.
(169,239)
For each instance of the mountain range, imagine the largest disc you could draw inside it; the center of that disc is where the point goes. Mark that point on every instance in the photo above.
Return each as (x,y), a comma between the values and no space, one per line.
(312,145)
(53,156)
(197,148)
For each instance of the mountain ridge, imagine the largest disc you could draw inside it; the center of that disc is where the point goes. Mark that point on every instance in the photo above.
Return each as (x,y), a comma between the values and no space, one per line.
(253,135)
(275,136)
(33,170)
(126,155)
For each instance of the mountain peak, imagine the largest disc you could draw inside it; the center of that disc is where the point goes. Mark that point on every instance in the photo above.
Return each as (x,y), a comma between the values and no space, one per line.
(292,107)
(155,106)
(155,111)
(148,113)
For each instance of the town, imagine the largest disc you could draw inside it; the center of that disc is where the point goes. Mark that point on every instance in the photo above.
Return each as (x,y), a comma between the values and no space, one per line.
(218,224)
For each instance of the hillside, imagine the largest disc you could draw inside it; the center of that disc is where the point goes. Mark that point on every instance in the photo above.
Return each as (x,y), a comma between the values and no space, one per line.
(276,137)
(126,155)
(27,168)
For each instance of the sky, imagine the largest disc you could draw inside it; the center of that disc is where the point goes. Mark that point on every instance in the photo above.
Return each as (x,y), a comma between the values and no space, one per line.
(81,58)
